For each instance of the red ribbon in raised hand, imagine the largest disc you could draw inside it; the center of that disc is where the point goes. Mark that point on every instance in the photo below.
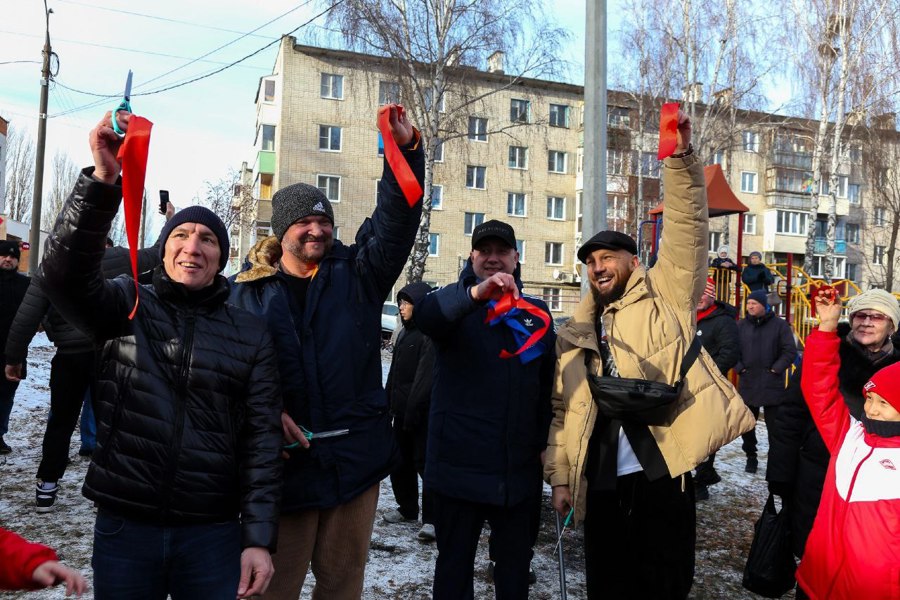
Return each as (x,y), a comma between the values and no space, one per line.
(507,303)
(133,157)
(410,186)
(668,129)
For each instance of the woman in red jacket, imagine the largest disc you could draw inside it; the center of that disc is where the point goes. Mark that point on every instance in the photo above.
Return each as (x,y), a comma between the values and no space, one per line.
(853,550)
(27,566)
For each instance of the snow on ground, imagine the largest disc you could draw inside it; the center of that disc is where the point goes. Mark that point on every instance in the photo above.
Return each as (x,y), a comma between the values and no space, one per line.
(400,567)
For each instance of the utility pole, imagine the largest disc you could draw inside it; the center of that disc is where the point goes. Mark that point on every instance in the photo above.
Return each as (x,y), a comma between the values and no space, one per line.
(593,199)
(34,237)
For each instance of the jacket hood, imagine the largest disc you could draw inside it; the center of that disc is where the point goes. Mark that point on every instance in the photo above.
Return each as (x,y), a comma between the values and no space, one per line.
(414,292)
(263,258)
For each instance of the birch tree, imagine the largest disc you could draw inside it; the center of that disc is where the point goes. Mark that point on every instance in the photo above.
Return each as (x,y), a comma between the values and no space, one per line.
(65,174)
(20,150)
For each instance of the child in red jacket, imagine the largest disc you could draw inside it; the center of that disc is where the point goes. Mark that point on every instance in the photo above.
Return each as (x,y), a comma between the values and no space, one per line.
(26,566)
(853,551)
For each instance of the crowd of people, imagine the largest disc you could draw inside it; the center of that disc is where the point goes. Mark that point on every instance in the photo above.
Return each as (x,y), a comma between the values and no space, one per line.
(242,429)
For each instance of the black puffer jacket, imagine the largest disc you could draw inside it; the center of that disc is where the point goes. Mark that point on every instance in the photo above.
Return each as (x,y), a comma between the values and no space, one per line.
(767,351)
(718,333)
(757,277)
(188,405)
(798,458)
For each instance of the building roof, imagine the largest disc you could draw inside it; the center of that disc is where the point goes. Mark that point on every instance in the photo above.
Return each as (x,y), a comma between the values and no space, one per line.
(722,200)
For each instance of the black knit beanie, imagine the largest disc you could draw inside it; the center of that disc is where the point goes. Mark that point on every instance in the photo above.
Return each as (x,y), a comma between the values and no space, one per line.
(760,296)
(295,202)
(204,216)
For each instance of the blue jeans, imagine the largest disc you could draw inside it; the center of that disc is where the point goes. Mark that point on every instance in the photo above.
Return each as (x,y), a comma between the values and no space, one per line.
(88,425)
(140,561)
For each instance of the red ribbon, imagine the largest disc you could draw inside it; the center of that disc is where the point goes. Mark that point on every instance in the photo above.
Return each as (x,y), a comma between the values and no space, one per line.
(412,190)
(668,129)
(133,157)
(505,304)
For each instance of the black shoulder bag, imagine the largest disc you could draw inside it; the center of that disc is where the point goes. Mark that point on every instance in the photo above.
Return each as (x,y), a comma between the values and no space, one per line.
(639,400)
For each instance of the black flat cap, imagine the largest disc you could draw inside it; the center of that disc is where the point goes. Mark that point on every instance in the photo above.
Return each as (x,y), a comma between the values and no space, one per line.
(610,240)
(497,229)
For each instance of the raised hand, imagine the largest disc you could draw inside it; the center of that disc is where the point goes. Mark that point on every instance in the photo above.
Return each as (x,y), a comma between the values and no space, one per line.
(105,144)
(828,308)
(401,128)
(683,136)
(494,287)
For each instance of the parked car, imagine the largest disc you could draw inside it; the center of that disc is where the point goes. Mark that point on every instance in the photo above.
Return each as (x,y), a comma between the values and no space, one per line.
(390,317)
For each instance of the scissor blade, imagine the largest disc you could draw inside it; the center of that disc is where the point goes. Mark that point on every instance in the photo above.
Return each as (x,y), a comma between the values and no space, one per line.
(334,433)
(127,94)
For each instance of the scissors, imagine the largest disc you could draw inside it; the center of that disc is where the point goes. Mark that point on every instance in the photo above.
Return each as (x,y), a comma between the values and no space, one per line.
(125,105)
(309,435)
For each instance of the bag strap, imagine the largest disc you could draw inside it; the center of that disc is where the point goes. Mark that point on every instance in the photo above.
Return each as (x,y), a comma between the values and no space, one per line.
(690,356)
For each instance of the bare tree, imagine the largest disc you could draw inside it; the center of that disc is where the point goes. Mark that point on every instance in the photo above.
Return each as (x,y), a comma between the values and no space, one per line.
(430,43)
(65,174)
(219,198)
(20,151)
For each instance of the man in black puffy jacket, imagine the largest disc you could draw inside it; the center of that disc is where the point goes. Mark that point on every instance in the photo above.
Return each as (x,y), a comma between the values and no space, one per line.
(186,476)
(13,286)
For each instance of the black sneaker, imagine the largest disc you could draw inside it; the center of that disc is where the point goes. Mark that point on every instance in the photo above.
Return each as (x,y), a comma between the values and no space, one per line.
(701,492)
(752,464)
(45,496)
(4,447)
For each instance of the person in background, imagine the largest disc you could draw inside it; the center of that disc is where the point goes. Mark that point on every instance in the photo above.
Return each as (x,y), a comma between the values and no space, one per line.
(721,261)
(767,352)
(13,286)
(27,566)
(756,275)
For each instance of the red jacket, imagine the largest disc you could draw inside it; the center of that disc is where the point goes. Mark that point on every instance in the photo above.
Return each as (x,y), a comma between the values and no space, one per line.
(853,551)
(18,560)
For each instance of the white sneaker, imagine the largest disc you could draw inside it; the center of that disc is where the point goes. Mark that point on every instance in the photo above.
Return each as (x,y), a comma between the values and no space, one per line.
(395,516)
(426,534)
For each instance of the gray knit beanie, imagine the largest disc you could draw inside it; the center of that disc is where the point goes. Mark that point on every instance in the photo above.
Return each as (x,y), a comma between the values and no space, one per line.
(296,201)
(204,216)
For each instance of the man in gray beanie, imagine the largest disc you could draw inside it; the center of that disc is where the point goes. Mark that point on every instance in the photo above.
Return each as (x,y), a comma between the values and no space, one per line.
(322,300)
(187,473)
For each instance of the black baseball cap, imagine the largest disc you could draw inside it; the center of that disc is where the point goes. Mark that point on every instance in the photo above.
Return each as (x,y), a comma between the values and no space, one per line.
(497,229)
(10,248)
(610,240)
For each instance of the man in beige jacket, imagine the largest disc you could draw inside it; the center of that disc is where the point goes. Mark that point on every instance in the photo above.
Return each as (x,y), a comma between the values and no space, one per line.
(630,483)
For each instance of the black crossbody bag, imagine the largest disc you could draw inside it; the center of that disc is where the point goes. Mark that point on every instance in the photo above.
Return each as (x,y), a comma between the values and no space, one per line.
(639,400)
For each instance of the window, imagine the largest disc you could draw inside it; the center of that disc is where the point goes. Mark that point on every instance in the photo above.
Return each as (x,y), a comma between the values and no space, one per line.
(556,208)
(749,224)
(748,182)
(552,297)
(269,90)
(853,272)
(518,110)
(518,157)
(649,165)
(855,153)
(878,256)
(332,86)
(840,267)
(750,141)
(388,92)
(437,197)
(472,220)
(478,129)
(616,162)
(520,248)
(618,117)
(579,161)
(842,186)
(336,232)
(434,244)
(718,158)
(330,138)
(380,145)
(715,241)
(559,115)
(475,177)
(553,253)
(879,218)
(515,204)
(268,138)
(263,229)
(438,150)
(852,233)
(556,162)
(429,94)
(853,193)
(330,186)
(791,222)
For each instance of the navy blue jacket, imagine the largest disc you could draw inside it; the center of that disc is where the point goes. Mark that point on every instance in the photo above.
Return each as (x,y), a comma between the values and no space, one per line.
(489,416)
(329,356)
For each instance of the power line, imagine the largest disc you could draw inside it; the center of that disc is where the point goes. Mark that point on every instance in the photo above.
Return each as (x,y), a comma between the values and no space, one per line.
(16,62)
(211,73)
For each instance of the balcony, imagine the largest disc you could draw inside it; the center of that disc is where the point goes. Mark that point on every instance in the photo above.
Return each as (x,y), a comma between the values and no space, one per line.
(789,201)
(265,162)
(840,246)
(792,160)
(781,179)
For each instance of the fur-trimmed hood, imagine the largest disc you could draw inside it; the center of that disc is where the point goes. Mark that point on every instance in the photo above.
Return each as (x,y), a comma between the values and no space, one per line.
(262,260)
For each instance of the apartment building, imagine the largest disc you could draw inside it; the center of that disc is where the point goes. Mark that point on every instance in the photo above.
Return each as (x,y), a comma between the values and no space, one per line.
(519,158)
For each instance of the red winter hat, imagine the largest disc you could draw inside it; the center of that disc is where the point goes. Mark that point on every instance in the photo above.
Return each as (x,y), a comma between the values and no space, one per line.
(885,384)
(710,288)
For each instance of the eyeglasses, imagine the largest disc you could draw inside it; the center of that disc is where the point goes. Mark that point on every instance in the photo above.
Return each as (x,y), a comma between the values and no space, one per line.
(873,317)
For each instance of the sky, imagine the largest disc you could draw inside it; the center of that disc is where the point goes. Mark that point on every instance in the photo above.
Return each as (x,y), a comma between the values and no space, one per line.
(201,129)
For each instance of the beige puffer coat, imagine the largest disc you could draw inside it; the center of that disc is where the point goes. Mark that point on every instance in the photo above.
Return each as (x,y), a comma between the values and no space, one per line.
(649,330)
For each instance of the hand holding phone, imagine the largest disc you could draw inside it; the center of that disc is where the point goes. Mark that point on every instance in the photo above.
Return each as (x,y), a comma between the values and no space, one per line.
(163,201)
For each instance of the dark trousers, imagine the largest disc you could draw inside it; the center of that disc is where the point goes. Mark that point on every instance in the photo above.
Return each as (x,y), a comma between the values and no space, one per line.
(458,525)
(639,540)
(749,438)
(70,377)
(141,561)
(7,395)
(405,478)
(88,423)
